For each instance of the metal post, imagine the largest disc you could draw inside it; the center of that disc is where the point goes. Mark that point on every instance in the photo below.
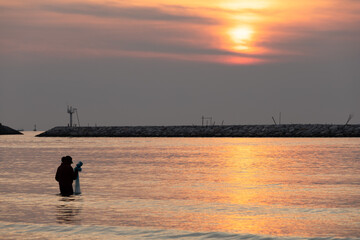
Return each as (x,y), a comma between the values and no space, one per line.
(273,120)
(280,118)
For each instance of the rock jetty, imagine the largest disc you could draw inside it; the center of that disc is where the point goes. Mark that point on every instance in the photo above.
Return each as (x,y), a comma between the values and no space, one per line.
(4,130)
(285,130)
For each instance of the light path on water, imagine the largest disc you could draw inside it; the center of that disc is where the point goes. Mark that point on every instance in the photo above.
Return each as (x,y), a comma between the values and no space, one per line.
(248,188)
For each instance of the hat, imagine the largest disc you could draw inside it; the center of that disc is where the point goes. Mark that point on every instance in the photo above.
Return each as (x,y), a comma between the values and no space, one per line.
(67,159)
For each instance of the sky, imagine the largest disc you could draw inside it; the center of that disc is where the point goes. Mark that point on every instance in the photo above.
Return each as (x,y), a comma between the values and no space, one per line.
(157,62)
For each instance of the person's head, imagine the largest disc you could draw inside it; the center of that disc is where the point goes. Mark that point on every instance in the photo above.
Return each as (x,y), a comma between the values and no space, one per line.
(67,160)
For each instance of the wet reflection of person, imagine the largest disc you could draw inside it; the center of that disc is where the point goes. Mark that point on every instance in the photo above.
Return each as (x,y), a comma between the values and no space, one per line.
(65,175)
(69,211)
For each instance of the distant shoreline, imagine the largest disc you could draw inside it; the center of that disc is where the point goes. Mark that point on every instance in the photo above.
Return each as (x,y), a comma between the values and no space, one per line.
(284,130)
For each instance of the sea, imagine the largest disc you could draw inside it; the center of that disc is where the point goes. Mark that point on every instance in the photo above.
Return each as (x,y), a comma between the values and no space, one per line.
(182,188)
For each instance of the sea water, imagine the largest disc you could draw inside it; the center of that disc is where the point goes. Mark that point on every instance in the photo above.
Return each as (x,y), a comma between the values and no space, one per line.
(182,188)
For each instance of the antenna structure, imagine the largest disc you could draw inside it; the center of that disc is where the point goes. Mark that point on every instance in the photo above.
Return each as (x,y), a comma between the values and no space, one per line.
(71,111)
(349,118)
(207,121)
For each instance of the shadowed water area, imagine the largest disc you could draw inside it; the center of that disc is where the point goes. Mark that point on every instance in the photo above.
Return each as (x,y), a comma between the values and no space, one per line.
(195,188)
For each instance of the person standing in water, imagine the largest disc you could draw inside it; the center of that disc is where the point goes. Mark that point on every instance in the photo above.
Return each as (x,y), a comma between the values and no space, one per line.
(65,175)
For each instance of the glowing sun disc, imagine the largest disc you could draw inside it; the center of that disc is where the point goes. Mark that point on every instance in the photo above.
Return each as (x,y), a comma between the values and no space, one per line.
(241,36)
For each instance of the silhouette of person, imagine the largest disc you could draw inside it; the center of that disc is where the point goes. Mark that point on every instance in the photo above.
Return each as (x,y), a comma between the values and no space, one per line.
(65,175)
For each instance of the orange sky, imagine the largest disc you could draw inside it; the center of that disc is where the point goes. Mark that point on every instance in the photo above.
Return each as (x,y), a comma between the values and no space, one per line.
(240,32)
(170,62)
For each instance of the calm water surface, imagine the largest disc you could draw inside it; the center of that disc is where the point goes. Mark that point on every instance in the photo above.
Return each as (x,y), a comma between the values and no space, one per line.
(188,188)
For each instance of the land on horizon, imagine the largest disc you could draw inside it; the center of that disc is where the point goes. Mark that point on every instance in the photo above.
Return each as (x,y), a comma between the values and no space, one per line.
(284,130)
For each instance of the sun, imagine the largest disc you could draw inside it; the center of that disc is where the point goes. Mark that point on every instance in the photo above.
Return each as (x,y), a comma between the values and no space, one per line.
(241,37)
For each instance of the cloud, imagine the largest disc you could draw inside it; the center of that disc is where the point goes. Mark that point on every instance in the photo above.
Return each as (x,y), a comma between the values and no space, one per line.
(171,31)
(124,62)
(129,12)
(72,37)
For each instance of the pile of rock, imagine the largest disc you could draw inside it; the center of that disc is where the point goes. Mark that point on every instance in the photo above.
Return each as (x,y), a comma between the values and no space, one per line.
(4,130)
(285,130)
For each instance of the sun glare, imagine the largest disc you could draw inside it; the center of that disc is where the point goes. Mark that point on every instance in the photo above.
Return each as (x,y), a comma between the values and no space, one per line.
(233,5)
(241,37)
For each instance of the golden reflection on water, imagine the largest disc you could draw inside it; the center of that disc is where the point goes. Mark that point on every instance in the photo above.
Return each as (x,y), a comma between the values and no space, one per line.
(282,187)
(274,188)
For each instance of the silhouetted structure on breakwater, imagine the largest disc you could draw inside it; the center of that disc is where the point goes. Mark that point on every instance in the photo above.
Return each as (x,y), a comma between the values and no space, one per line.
(4,130)
(285,130)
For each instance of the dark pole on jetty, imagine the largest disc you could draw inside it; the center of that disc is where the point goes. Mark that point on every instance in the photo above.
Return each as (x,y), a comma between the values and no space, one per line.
(349,118)
(279,118)
(273,120)
(207,121)
(70,111)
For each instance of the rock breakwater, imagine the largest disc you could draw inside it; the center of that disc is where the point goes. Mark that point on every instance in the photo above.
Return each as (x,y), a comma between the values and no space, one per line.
(4,130)
(285,130)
